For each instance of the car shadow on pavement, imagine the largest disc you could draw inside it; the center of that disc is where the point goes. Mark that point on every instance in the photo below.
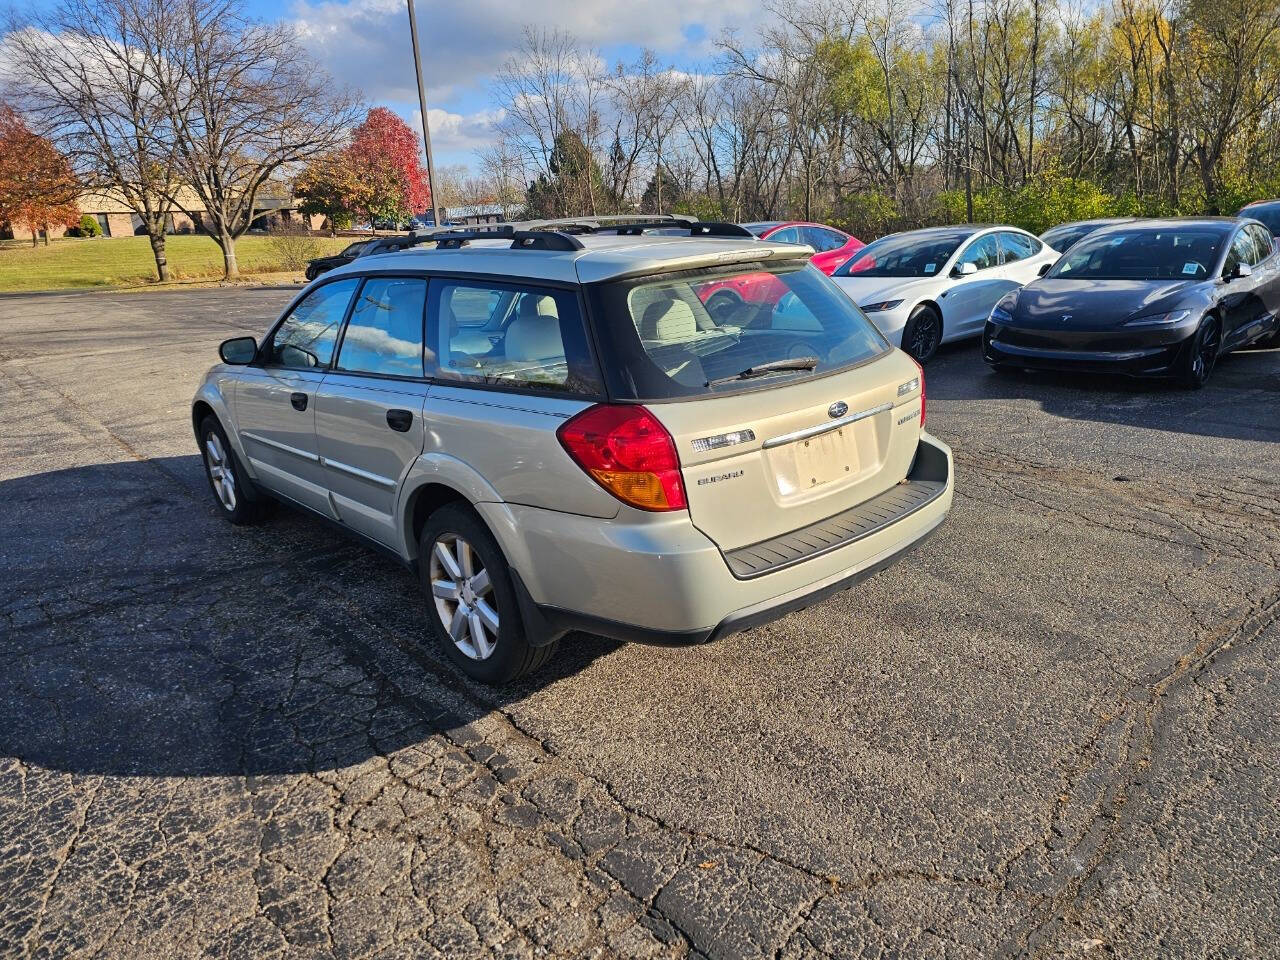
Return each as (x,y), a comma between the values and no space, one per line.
(1239,402)
(143,635)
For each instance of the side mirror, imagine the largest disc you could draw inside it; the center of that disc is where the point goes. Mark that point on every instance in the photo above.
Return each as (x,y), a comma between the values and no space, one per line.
(238,350)
(1241,271)
(1045,268)
(966,269)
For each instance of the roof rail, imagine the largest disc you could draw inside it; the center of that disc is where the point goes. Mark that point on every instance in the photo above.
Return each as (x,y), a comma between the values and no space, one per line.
(559,234)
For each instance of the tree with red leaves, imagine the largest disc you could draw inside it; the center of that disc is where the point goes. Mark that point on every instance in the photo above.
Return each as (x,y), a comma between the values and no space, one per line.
(386,157)
(37,185)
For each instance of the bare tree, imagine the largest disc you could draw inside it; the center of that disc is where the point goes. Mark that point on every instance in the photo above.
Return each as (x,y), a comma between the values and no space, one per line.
(246,104)
(79,71)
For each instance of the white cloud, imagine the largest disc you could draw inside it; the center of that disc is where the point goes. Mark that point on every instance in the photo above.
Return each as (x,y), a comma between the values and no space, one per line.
(365,43)
(457,132)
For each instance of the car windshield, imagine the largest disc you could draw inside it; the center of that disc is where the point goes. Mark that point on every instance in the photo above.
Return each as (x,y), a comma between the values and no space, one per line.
(904,255)
(1065,237)
(719,330)
(353,249)
(1151,253)
(760,229)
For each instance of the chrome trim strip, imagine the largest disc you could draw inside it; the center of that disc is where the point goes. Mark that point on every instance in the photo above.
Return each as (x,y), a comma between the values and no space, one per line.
(305,455)
(820,429)
(357,472)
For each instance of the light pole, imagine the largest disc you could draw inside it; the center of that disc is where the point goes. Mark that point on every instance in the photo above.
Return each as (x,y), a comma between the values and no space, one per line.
(426,129)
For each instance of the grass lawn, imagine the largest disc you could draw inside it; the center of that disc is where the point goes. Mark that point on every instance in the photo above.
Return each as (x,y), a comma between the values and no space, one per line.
(126,261)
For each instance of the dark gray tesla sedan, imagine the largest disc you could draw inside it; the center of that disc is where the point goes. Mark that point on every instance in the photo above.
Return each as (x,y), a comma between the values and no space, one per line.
(1152,298)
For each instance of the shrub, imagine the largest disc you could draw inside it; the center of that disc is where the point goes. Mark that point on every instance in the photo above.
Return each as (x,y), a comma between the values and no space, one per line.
(293,245)
(87,227)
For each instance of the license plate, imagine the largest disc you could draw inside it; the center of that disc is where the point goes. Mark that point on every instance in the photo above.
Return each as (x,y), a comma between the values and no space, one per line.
(823,459)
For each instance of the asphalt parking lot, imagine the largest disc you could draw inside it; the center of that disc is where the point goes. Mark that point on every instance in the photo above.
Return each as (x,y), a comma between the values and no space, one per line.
(1050,731)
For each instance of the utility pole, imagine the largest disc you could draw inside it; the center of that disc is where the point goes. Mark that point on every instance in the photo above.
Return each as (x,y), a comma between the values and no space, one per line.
(426,128)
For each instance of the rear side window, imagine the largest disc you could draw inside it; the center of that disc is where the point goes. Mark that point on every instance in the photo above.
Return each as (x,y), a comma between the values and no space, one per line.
(384,334)
(1017,246)
(305,339)
(708,332)
(513,336)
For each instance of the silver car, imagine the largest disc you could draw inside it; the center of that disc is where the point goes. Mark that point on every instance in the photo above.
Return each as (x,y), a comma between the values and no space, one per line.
(547,424)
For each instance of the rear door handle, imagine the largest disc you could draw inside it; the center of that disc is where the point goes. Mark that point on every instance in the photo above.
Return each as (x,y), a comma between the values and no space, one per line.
(299,401)
(399,420)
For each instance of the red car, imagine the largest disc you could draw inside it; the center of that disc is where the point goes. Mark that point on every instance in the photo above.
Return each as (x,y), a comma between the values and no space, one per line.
(833,247)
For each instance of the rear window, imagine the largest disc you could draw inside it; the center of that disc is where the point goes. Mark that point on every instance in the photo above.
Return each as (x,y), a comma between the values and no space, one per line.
(710,332)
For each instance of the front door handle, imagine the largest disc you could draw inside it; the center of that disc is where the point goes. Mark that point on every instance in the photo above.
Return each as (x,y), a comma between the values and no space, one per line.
(399,420)
(299,401)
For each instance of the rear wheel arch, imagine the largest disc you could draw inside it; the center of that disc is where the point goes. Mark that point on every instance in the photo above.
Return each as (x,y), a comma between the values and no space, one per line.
(425,500)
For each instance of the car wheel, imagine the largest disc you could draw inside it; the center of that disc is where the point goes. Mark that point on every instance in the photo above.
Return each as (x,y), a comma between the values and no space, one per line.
(232,489)
(922,334)
(723,305)
(473,613)
(1201,354)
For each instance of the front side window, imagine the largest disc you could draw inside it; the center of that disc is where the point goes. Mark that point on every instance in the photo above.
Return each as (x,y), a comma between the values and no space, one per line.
(723,330)
(384,334)
(822,239)
(304,340)
(1149,253)
(1262,241)
(1018,246)
(786,235)
(1241,251)
(983,253)
(515,336)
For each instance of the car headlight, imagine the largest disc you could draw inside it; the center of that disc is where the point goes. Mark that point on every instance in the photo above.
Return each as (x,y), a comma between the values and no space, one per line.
(1159,319)
(882,305)
(1000,315)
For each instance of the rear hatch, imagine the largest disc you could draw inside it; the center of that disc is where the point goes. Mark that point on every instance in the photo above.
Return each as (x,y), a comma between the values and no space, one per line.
(765,463)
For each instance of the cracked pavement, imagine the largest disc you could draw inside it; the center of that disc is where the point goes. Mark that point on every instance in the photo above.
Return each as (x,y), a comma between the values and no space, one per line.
(1050,732)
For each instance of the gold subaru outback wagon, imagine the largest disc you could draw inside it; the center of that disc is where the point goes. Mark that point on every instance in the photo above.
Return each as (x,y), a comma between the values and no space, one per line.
(658,430)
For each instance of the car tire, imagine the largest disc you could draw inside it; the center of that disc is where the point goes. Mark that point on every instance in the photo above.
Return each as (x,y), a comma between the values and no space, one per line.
(455,600)
(1201,353)
(237,499)
(310,273)
(723,305)
(922,334)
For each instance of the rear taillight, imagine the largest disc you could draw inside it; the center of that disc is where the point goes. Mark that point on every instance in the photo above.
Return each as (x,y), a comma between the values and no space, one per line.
(921,369)
(629,453)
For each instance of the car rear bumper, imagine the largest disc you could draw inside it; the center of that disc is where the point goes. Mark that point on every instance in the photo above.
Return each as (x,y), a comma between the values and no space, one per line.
(667,583)
(1007,347)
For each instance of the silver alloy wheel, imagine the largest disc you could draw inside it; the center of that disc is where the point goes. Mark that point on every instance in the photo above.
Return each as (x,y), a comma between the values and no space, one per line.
(224,480)
(464,597)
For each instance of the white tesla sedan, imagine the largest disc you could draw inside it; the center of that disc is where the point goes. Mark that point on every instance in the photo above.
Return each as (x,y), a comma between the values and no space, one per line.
(926,287)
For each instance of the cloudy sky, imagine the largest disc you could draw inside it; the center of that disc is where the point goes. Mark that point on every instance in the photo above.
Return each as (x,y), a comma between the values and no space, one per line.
(366,43)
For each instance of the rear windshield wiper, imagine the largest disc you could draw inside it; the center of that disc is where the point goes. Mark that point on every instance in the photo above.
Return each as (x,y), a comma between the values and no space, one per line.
(764,369)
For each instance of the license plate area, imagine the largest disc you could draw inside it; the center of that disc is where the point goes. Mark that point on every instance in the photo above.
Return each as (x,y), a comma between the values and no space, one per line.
(821,460)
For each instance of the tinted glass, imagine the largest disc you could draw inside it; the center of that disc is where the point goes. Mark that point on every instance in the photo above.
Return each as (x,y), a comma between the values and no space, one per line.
(352,249)
(305,339)
(1018,246)
(1163,253)
(384,334)
(904,255)
(1262,240)
(517,336)
(822,239)
(1064,237)
(762,227)
(1267,213)
(689,329)
(983,253)
(786,235)
(1241,251)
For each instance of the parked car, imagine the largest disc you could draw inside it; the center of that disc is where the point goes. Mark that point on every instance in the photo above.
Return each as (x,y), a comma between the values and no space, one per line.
(1065,235)
(927,287)
(604,456)
(1151,298)
(1266,212)
(832,247)
(323,264)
